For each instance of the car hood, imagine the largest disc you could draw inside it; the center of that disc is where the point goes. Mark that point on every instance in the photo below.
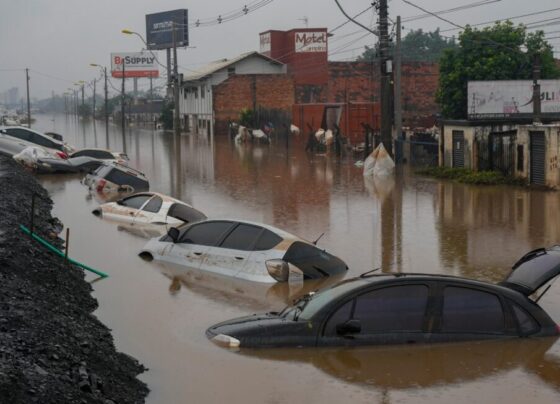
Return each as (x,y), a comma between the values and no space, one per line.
(246,326)
(533,270)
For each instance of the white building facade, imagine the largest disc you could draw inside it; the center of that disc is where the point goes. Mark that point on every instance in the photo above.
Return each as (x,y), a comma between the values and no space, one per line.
(196,93)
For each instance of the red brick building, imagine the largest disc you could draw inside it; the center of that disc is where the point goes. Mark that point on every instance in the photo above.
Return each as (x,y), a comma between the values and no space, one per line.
(314,92)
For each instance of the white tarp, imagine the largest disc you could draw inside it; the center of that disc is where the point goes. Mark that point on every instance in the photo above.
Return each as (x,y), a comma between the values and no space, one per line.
(29,156)
(379,163)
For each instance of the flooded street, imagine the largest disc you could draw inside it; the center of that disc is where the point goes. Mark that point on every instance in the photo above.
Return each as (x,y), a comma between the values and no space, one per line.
(158,313)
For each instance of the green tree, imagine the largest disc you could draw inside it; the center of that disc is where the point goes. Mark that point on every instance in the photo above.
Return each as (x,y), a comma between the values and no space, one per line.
(500,52)
(418,46)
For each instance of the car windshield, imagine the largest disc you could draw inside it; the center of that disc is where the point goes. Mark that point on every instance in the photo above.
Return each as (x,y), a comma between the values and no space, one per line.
(307,306)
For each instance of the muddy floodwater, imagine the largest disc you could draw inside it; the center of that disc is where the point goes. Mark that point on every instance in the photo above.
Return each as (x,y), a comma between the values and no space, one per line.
(159,313)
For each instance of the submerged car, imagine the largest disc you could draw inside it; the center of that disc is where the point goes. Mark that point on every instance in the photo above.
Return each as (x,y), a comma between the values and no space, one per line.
(114,177)
(101,154)
(70,165)
(406,309)
(150,208)
(14,139)
(246,250)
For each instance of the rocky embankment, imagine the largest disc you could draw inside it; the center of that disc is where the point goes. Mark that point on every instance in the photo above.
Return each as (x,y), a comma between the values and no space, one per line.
(52,349)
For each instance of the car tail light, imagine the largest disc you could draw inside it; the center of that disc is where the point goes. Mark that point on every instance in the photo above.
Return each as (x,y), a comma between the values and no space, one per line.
(62,155)
(100,185)
(226,340)
(558,328)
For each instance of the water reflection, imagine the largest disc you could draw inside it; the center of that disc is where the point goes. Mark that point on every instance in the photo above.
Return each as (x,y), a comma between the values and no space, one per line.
(411,224)
(427,366)
(250,296)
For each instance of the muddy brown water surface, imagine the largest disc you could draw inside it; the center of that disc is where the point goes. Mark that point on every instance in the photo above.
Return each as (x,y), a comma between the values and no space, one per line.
(159,313)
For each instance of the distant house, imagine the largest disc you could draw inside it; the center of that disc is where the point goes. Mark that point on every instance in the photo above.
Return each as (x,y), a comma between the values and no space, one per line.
(197,90)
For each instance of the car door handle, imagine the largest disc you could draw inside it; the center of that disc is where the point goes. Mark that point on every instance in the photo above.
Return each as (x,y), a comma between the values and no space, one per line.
(239,258)
(197,253)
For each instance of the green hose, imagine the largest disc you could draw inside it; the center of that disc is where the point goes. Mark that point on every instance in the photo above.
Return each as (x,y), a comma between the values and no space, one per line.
(60,253)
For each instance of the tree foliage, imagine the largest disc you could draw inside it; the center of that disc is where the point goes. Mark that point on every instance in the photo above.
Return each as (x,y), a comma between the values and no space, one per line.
(500,52)
(417,46)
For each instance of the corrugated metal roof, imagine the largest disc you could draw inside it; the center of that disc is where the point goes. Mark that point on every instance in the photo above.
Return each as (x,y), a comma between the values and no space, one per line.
(223,63)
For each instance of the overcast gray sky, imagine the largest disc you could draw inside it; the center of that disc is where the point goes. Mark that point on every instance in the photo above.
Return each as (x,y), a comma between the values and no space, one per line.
(58,39)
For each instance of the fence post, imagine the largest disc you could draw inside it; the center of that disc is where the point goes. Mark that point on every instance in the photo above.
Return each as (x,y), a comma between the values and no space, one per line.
(31,221)
(67,246)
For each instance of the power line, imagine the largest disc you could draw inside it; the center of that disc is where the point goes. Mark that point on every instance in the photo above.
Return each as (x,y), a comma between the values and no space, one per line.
(449,10)
(508,18)
(433,14)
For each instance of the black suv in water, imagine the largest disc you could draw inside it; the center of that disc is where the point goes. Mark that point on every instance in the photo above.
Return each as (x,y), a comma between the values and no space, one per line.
(406,308)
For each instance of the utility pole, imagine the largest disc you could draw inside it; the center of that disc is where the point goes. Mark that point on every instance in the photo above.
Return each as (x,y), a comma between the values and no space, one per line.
(176,120)
(536,91)
(397,82)
(28,100)
(106,104)
(386,69)
(93,112)
(122,100)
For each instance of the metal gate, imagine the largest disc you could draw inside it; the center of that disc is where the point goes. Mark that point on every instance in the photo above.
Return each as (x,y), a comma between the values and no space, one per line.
(458,138)
(537,158)
(502,152)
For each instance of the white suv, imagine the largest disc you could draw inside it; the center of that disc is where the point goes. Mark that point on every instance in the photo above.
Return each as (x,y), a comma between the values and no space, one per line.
(13,139)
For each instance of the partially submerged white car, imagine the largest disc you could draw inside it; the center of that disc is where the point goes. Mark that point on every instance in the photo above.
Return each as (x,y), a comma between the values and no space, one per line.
(150,208)
(245,250)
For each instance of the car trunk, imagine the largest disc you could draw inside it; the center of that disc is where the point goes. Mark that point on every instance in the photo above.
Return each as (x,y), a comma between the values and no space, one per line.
(533,270)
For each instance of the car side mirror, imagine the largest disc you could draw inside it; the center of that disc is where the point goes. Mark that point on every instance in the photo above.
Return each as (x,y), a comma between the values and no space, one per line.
(173,234)
(349,327)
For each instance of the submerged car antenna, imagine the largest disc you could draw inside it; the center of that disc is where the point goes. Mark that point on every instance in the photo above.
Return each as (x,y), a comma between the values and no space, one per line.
(369,273)
(545,290)
(318,238)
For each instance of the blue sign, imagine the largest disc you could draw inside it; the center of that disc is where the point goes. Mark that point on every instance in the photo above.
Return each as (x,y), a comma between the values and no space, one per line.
(159,29)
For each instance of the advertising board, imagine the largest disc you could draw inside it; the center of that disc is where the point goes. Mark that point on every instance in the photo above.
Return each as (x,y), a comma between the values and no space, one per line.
(508,98)
(310,42)
(136,64)
(159,29)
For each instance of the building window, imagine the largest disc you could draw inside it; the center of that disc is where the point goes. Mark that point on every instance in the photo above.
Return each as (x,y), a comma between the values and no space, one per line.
(230,71)
(202,91)
(196,92)
(520,162)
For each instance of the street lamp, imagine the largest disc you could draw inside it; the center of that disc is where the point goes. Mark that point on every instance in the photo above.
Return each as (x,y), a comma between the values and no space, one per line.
(104,70)
(176,81)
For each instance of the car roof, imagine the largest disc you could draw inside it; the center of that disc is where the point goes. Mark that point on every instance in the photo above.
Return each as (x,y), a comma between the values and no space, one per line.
(122,167)
(282,233)
(165,198)
(34,131)
(372,279)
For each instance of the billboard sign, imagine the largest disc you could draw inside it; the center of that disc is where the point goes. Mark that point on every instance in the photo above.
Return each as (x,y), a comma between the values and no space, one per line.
(265,42)
(311,42)
(159,29)
(510,98)
(136,64)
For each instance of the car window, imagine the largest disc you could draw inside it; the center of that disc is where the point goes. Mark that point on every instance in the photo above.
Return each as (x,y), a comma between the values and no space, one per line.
(396,308)
(80,153)
(119,177)
(135,201)
(42,141)
(267,241)
(243,237)
(208,233)
(471,311)
(340,316)
(527,324)
(19,134)
(101,154)
(154,205)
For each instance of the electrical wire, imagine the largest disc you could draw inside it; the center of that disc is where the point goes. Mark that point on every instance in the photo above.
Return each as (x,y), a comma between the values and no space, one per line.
(450,10)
